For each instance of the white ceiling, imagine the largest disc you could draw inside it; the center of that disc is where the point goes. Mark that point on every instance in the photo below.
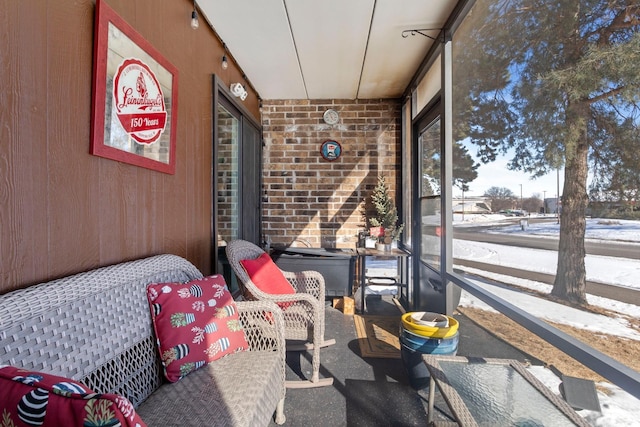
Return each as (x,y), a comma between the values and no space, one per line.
(327,49)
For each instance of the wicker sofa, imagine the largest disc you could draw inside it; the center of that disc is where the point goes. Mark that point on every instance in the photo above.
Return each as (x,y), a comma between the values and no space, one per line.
(95,327)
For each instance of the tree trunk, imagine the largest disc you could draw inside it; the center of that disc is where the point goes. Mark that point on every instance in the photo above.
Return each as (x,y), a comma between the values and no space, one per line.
(570,281)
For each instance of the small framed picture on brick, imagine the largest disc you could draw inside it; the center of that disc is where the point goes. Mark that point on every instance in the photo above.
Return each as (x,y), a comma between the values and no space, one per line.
(330,150)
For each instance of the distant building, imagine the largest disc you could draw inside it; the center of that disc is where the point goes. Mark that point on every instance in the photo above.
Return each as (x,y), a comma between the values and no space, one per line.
(551,205)
(476,205)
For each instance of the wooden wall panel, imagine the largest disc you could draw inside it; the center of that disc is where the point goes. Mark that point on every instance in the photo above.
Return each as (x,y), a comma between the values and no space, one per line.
(63,210)
(199,178)
(23,101)
(73,183)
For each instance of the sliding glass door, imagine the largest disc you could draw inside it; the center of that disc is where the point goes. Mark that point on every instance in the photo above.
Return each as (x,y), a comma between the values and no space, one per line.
(227,182)
(429,147)
(428,289)
(236,176)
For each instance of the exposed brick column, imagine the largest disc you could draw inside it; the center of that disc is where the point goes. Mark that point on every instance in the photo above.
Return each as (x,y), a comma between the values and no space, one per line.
(309,200)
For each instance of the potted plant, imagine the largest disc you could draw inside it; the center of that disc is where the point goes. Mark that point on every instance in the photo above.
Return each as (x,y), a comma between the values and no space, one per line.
(383,224)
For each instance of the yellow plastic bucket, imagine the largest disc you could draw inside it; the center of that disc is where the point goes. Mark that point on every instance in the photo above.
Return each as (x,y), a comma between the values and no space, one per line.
(429,331)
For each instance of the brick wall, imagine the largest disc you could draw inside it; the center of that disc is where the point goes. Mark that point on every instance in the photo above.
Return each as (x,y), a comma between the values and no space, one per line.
(309,201)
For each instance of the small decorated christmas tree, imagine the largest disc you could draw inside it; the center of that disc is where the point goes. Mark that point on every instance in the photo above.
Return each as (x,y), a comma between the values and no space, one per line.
(384,224)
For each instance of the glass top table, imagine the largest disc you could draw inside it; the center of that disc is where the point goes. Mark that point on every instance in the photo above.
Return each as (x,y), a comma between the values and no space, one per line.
(495,392)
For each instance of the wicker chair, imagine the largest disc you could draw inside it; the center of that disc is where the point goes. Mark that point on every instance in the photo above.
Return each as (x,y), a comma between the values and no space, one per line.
(304,312)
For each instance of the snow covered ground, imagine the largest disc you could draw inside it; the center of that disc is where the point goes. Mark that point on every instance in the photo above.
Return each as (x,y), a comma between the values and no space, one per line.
(618,407)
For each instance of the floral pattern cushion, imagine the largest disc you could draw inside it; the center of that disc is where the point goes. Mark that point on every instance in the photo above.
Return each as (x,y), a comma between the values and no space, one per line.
(195,323)
(29,398)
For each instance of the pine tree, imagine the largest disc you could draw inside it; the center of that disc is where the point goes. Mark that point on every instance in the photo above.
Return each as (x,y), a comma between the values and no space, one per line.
(386,212)
(563,93)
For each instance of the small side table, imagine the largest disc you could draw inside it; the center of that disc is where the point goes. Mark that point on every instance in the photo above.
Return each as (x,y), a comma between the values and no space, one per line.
(496,392)
(363,254)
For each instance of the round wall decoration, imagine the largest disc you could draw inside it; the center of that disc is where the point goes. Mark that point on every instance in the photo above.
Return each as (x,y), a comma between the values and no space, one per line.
(330,150)
(331,117)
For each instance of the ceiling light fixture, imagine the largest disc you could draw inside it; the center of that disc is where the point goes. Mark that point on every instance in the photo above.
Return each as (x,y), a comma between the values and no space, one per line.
(195,23)
(407,33)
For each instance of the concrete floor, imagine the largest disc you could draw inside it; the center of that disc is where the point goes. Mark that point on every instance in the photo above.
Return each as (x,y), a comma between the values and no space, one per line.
(370,391)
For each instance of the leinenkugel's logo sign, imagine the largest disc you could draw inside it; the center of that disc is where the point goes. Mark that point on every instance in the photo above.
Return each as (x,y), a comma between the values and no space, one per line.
(139,102)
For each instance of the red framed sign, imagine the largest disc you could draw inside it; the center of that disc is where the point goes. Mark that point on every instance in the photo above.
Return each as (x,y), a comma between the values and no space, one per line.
(135,97)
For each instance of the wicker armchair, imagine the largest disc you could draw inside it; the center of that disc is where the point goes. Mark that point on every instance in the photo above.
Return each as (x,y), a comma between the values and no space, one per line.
(303,313)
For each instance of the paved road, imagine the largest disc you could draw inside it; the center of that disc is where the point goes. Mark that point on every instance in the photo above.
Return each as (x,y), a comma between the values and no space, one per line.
(617,249)
(614,249)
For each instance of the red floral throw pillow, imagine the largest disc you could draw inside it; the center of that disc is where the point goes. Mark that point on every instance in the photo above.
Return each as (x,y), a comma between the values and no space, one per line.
(267,276)
(29,398)
(195,323)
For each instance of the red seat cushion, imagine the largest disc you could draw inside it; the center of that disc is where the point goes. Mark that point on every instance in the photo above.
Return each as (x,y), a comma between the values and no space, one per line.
(267,276)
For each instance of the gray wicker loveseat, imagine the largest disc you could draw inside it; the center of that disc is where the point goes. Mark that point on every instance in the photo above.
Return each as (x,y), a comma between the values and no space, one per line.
(95,327)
